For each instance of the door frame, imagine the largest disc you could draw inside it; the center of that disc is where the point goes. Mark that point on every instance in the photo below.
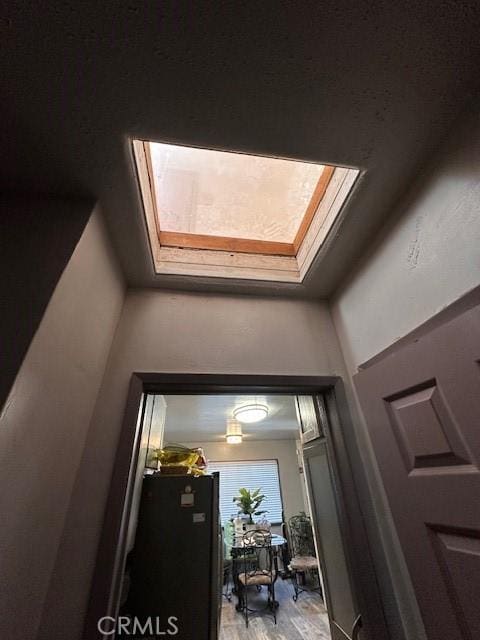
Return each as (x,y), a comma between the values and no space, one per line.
(106,582)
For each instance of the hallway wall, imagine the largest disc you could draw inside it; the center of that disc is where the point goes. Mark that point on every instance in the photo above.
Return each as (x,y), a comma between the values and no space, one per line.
(44,423)
(37,238)
(189,333)
(427,257)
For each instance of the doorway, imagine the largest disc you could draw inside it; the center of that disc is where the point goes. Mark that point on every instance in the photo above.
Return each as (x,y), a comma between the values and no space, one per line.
(262,458)
(309,399)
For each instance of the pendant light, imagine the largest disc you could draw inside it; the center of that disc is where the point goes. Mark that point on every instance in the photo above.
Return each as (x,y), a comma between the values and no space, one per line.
(234,432)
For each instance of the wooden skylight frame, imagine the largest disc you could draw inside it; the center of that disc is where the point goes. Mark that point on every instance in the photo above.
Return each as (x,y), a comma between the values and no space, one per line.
(178,253)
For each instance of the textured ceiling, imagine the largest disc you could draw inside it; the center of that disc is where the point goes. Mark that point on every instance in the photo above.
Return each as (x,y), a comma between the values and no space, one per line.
(368,84)
(198,418)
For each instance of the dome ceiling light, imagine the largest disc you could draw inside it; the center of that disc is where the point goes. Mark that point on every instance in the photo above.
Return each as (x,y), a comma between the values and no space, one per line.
(251,413)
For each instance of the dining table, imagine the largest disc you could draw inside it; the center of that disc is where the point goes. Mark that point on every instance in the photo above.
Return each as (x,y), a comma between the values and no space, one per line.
(276,541)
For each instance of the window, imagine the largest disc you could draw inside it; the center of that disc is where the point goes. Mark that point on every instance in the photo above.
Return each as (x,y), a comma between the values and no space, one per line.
(250,474)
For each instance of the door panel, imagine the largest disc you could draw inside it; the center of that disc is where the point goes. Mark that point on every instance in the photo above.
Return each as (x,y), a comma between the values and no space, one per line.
(153,427)
(422,408)
(335,572)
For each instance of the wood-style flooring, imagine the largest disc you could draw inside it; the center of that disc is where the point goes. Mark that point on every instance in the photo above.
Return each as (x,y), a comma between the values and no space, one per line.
(305,619)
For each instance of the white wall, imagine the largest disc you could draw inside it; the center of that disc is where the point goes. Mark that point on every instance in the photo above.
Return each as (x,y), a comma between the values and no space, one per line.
(282,450)
(38,235)
(427,259)
(44,423)
(188,333)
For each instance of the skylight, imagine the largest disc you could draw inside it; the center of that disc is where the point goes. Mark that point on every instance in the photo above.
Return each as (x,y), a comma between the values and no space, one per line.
(228,214)
(230,195)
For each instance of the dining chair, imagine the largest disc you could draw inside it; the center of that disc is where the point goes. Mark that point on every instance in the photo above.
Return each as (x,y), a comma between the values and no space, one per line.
(304,561)
(259,568)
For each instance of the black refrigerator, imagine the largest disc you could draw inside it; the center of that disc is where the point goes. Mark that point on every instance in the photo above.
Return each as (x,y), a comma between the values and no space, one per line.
(175,564)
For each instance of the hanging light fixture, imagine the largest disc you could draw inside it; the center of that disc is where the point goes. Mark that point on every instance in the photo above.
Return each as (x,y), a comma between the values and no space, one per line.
(234,432)
(251,413)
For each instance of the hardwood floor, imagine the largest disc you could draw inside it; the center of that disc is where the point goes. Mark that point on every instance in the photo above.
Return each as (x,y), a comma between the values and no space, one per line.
(305,619)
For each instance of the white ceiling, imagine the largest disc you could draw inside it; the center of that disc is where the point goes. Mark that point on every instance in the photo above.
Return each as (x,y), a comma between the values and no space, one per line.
(202,418)
(375,85)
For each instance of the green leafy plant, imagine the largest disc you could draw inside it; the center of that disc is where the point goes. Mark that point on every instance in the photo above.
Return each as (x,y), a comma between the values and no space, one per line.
(248,503)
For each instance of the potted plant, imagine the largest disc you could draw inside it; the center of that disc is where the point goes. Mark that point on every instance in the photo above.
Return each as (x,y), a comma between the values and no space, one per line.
(248,503)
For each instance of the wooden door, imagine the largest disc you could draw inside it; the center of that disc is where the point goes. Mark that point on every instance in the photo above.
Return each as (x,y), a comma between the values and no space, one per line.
(330,540)
(350,586)
(422,408)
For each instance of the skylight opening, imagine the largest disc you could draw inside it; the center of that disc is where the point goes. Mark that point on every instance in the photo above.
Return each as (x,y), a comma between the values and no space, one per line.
(236,215)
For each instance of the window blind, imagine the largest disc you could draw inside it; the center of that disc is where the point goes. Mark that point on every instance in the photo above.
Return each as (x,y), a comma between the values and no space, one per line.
(250,474)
